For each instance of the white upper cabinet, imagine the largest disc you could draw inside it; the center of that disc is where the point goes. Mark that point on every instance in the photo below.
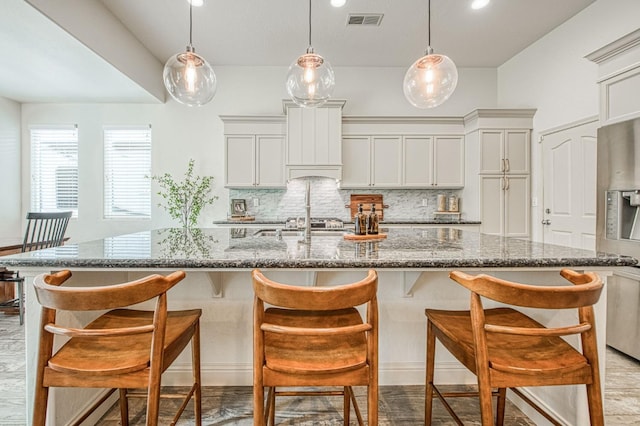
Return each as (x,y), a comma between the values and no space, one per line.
(356,155)
(448,164)
(433,162)
(386,161)
(504,151)
(418,161)
(314,140)
(254,151)
(396,161)
(372,161)
(254,161)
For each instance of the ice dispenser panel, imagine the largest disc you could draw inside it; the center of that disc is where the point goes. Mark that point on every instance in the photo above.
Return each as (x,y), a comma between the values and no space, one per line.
(622,215)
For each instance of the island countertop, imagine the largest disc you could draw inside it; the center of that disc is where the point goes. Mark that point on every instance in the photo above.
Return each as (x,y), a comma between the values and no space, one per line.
(240,248)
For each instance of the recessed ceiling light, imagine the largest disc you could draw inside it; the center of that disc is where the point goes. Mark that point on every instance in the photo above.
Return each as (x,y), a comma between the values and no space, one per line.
(196,3)
(338,3)
(479,4)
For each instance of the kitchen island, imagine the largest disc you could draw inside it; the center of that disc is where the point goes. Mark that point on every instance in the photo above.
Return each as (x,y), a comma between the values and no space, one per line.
(413,266)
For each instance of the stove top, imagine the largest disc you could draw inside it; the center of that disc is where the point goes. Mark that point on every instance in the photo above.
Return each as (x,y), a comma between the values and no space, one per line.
(316,223)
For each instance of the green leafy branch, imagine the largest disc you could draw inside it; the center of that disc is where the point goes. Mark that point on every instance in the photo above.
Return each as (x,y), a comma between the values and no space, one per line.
(184,200)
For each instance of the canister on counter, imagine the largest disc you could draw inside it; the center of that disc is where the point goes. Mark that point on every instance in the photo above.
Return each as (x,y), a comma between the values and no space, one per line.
(442,203)
(453,203)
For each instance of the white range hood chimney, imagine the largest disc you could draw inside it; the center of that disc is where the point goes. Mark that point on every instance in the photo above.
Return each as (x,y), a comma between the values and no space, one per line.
(314,140)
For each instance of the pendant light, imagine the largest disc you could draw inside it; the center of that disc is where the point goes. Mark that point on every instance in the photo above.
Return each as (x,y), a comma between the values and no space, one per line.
(310,79)
(188,77)
(431,79)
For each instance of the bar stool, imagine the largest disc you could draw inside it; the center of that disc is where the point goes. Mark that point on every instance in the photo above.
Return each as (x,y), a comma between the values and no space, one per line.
(505,348)
(122,349)
(314,336)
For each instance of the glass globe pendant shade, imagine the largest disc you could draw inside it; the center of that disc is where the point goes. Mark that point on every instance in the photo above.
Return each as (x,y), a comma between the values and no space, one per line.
(430,80)
(189,79)
(310,80)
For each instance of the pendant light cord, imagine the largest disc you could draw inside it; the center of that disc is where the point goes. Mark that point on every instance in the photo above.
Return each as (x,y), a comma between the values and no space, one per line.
(310,47)
(190,24)
(429,25)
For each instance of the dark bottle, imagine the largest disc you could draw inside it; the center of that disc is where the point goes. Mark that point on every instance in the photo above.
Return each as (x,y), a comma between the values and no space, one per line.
(372,221)
(360,220)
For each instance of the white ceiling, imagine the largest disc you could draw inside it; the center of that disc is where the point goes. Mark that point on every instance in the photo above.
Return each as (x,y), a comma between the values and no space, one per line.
(264,32)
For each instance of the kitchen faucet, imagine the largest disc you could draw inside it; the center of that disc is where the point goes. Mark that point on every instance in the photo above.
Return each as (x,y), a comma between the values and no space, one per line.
(307,217)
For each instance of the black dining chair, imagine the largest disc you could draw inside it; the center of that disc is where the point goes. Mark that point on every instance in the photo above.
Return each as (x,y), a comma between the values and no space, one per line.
(43,230)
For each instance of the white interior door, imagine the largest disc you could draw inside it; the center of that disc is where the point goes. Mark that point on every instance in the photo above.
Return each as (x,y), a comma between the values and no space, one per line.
(569,186)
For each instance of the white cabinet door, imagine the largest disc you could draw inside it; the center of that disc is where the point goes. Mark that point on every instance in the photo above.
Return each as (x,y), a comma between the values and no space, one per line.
(504,151)
(418,161)
(504,205)
(448,154)
(387,161)
(516,206)
(491,151)
(270,161)
(356,158)
(240,167)
(492,204)
(517,151)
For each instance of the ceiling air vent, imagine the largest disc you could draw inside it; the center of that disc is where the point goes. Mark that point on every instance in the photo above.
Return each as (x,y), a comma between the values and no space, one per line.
(365,19)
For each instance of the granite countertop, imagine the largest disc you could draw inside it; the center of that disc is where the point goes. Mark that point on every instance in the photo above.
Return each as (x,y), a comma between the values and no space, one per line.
(240,248)
(407,222)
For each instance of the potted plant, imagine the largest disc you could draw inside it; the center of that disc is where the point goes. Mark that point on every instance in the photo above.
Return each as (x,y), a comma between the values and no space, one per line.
(184,200)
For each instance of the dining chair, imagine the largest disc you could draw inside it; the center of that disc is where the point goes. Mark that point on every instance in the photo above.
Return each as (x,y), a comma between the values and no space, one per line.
(314,336)
(43,230)
(123,349)
(507,349)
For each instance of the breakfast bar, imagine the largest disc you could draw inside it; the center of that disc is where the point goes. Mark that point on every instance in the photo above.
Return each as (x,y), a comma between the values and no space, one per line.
(413,266)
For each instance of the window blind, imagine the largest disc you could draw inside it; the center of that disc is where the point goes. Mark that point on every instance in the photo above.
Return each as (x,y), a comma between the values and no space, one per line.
(127,167)
(54,169)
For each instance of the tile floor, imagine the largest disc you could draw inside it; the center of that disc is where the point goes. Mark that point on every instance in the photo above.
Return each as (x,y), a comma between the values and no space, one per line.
(399,405)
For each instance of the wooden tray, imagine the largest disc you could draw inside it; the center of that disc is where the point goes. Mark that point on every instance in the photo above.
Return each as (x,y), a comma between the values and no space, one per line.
(354,237)
(242,218)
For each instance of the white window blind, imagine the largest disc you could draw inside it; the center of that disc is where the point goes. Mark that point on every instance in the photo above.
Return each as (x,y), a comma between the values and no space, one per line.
(54,169)
(127,167)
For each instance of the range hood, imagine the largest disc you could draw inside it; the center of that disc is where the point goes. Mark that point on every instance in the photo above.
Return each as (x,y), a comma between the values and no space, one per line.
(314,140)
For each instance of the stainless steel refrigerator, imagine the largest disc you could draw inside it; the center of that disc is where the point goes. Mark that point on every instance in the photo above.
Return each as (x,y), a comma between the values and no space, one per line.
(618,228)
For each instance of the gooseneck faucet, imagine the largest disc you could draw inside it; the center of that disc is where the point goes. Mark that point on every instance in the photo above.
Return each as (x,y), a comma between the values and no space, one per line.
(307,217)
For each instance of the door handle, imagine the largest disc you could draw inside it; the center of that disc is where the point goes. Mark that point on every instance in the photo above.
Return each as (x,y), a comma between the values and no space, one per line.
(546,222)
(506,188)
(507,165)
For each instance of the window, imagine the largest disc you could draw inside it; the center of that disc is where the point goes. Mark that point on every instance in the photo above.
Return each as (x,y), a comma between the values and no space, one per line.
(127,167)
(54,169)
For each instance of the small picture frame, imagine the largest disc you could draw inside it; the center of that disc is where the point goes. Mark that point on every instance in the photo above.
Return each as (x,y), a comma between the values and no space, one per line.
(238,232)
(238,207)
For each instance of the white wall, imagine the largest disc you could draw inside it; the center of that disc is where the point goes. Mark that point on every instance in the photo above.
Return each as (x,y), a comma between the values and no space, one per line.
(181,133)
(10,213)
(553,76)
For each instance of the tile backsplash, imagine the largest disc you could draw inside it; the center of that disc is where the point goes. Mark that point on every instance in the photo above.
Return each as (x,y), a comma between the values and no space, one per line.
(328,200)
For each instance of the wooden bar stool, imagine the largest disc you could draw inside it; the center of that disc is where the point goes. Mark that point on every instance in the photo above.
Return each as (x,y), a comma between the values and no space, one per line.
(314,336)
(122,349)
(505,348)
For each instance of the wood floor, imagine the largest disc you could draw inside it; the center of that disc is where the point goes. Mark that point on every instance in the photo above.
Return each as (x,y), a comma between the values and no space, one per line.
(399,405)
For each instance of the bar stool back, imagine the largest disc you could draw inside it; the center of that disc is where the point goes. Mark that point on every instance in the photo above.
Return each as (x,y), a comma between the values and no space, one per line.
(505,348)
(314,336)
(121,349)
